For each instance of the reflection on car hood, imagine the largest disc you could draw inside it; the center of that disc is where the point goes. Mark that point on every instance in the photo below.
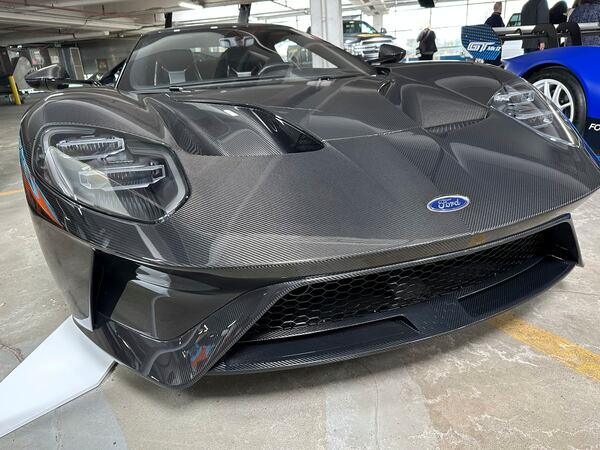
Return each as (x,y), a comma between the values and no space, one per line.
(351,107)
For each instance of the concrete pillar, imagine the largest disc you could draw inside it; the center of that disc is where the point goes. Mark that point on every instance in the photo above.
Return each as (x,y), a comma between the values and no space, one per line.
(326,20)
(378,21)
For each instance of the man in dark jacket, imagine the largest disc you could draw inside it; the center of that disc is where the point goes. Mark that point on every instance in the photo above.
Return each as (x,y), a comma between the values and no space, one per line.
(534,12)
(558,13)
(495,20)
(427,47)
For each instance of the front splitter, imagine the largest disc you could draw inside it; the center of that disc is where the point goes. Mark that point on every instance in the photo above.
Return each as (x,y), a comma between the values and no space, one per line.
(63,367)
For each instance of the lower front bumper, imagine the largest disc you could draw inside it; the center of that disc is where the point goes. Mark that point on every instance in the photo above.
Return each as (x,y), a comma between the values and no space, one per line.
(221,342)
(416,322)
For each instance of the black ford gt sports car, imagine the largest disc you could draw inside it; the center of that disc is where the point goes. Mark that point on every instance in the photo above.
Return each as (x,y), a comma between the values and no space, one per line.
(231,207)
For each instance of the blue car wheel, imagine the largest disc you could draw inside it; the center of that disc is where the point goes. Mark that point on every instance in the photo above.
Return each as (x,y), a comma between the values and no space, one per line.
(564,90)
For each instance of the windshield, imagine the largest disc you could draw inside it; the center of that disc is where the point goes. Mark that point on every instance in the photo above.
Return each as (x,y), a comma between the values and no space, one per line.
(227,54)
(358,27)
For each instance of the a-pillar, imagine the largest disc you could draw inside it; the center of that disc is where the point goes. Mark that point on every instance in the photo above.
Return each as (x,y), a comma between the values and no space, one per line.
(326,20)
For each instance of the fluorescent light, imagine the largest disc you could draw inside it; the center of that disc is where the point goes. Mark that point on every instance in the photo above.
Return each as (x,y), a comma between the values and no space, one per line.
(189,5)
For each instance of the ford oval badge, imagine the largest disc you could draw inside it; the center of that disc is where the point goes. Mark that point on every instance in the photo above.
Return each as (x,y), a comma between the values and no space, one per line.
(448,203)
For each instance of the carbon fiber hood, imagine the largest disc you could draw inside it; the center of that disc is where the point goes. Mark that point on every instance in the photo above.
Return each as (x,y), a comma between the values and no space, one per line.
(353,106)
(391,144)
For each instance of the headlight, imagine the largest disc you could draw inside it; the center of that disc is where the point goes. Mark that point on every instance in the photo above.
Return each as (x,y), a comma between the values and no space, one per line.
(120,175)
(523,102)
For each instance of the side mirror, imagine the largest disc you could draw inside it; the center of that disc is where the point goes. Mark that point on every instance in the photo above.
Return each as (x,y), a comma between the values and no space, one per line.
(389,54)
(48,78)
(383,31)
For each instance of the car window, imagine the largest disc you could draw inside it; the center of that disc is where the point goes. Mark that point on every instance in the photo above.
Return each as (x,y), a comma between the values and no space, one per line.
(366,28)
(357,27)
(514,21)
(231,54)
(292,53)
(351,27)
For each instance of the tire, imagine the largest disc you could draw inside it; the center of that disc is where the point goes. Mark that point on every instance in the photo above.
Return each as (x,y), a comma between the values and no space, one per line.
(571,84)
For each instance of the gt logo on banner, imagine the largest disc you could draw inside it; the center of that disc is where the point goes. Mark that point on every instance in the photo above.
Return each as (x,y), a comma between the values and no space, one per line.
(483,46)
(481,42)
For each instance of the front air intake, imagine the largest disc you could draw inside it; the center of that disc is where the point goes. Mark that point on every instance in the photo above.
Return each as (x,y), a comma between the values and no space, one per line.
(349,301)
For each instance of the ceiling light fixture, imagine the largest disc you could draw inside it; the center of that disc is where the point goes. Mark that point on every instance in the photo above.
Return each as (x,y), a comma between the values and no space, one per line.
(189,5)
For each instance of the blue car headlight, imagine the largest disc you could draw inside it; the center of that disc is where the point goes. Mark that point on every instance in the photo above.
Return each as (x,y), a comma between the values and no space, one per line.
(524,103)
(116,174)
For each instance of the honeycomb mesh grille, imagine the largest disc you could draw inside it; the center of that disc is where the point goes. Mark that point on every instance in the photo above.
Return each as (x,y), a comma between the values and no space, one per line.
(349,299)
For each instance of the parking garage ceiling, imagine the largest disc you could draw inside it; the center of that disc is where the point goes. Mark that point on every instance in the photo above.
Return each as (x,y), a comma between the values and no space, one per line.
(39,21)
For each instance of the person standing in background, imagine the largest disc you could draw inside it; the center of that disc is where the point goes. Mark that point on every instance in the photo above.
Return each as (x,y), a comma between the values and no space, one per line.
(495,21)
(587,11)
(427,47)
(534,12)
(558,13)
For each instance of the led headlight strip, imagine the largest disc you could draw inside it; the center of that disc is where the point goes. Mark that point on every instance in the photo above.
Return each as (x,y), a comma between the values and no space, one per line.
(524,103)
(116,174)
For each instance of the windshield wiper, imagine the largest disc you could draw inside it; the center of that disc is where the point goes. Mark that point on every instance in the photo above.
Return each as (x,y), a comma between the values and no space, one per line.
(180,87)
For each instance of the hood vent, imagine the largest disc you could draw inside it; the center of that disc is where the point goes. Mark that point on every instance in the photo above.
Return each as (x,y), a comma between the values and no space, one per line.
(443,130)
(233,130)
(432,107)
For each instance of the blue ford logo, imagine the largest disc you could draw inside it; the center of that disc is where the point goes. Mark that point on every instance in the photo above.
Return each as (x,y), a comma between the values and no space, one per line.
(448,203)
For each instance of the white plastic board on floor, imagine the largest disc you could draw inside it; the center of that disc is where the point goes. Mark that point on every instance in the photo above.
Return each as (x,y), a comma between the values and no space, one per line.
(66,365)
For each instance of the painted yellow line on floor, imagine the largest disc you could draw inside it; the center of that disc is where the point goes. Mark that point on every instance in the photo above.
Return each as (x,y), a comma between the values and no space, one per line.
(7,193)
(566,352)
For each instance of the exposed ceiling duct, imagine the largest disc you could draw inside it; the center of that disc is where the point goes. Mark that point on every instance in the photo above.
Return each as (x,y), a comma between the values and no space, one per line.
(78,3)
(42,21)
(370,7)
(29,39)
(66,21)
(46,21)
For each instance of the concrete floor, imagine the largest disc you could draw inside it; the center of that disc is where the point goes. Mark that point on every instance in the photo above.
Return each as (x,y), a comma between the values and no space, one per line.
(477,388)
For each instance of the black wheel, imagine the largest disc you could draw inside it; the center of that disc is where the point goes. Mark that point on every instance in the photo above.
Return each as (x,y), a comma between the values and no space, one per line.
(561,86)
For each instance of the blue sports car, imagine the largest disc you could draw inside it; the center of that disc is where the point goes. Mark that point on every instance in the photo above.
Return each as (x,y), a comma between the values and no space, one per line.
(568,75)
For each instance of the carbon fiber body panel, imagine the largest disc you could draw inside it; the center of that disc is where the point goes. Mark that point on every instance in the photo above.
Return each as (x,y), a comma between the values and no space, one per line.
(182,361)
(303,210)
(170,298)
(416,323)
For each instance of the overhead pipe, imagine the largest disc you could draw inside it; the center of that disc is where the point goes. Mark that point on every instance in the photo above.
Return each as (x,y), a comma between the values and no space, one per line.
(71,21)
(32,39)
(34,8)
(277,15)
(69,3)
